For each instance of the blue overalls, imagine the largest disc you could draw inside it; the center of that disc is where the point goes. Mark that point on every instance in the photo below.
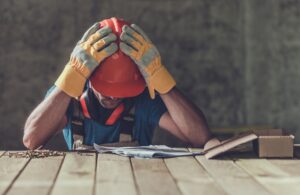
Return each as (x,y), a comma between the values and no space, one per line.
(147,116)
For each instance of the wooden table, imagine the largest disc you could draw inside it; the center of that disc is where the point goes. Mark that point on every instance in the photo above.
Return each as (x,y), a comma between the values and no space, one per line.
(89,173)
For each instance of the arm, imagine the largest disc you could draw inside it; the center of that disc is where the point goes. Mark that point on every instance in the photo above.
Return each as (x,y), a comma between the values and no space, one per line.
(47,119)
(184,119)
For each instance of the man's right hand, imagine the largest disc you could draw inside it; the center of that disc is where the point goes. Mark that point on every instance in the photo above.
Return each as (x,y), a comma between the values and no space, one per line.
(95,45)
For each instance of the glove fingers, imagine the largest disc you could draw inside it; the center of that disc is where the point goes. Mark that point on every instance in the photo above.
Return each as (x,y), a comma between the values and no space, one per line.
(133,34)
(89,32)
(130,41)
(140,31)
(99,35)
(131,52)
(104,41)
(104,53)
(151,91)
(112,48)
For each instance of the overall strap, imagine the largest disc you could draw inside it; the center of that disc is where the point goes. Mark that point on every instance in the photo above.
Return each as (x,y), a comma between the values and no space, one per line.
(77,124)
(128,118)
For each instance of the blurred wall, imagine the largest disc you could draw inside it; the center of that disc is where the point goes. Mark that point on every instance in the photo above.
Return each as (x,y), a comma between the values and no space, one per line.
(237,60)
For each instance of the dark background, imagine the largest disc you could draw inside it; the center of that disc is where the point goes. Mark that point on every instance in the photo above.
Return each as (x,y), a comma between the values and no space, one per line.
(238,60)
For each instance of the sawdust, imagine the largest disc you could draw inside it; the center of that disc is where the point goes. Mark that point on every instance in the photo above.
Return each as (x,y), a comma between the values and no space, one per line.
(34,154)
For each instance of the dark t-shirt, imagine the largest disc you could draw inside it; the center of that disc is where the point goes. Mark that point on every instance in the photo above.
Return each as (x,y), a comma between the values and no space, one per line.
(147,116)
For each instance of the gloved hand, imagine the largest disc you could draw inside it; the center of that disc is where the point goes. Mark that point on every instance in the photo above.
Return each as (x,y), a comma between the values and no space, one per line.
(139,48)
(89,52)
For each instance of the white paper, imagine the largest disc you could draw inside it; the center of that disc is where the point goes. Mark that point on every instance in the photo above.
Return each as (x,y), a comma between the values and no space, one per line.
(151,151)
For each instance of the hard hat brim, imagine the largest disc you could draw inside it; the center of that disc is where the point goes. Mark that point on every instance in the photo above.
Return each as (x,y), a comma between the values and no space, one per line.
(118,90)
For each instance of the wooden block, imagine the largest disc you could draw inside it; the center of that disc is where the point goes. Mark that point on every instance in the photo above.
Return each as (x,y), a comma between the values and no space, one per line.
(38,176)
(10,168)
(153,177)
(114,175)
(76,175)
(237,130)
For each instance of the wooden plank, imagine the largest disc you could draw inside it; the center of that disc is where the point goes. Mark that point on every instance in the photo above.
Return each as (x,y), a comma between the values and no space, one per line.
(153,177)
(37,177)
(260,167)
(272,177)
(191,177)
(230,177)
(76,175)
(237,130)
(114,175)
(1,153)
(10,168)
(290,166)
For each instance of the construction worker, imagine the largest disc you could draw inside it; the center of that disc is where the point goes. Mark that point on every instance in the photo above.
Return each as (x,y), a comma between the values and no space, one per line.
(114,71)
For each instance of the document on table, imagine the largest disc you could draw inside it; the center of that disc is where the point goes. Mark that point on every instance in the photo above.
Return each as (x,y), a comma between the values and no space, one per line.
(151,151)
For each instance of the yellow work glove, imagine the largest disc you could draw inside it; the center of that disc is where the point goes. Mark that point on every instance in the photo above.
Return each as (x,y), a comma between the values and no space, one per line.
(95,45)
(139,48)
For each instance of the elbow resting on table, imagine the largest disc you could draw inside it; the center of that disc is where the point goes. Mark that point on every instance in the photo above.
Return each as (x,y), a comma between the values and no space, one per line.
(30,140)
(201,141)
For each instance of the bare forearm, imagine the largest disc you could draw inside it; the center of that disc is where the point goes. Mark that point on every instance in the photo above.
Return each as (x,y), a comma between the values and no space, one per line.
(46,118)
(189,119)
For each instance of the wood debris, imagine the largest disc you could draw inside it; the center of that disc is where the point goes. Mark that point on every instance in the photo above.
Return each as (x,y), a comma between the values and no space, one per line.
(34,154)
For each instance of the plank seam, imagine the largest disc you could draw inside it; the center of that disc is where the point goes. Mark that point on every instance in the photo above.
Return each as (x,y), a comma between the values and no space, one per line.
(218,185)
(175,180)
(16,177)
(254,178)
(95,175)
(58,171)
(134,178)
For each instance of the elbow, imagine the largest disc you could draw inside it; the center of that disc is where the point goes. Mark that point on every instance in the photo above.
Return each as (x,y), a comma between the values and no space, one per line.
(29,141)
(202,140)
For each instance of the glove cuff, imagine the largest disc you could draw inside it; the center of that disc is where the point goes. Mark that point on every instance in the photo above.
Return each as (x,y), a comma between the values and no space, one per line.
(71,82)
(162,81)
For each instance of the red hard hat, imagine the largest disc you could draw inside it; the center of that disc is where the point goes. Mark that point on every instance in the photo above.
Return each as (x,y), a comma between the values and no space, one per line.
(117,76)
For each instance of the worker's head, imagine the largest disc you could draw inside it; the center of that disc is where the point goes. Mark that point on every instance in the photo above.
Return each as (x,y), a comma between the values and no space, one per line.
(108,102)
(117,76)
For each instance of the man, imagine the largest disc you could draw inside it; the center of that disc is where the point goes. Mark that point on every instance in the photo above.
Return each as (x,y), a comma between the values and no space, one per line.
(107,76)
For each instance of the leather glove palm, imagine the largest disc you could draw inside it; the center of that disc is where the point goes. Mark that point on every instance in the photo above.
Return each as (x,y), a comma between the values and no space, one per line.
(95,45)
(140,49)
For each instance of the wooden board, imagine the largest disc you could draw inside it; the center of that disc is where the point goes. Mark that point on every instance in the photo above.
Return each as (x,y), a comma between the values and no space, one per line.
(10,168)
(191,178)
(231,178)
(114,175)
(273,177)
(290,166)
(38,176)
(153,177)
(89,173)
(1,153)
(76,175)
(260,167)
